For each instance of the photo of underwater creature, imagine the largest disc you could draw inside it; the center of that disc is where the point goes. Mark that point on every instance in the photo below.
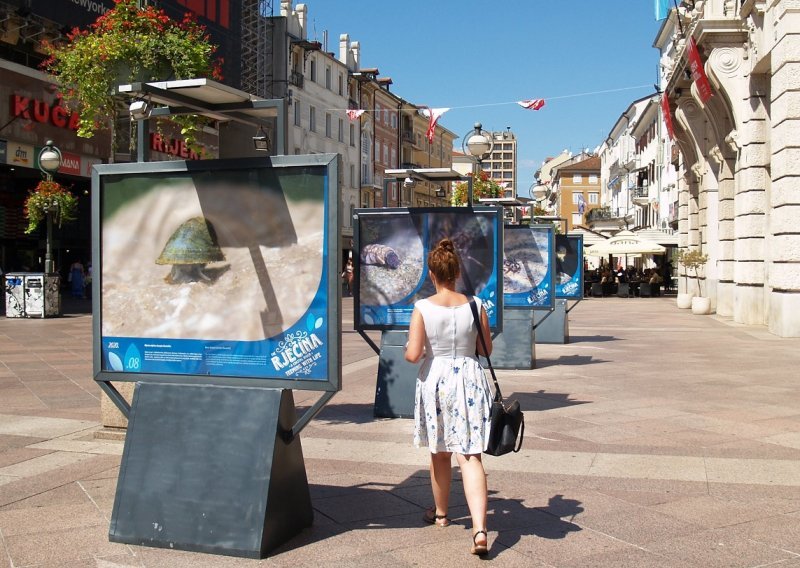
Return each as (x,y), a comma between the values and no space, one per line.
(569,266)
(527,269)
(386,275)
(213,257)
(392,252)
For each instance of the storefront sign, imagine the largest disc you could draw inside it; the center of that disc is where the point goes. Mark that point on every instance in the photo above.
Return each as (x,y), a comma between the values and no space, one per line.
(43,112)
(21,155)
(70,164)
(174,147)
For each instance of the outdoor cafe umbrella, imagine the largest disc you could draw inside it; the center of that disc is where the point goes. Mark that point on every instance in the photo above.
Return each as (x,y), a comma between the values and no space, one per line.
(624,243)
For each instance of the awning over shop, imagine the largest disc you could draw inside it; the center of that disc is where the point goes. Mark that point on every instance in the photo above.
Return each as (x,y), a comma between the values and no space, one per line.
(624,243)
(658,236)
(589,237)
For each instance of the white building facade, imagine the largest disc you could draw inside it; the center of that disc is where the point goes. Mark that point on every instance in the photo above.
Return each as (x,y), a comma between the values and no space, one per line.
(321,93)
(739,190)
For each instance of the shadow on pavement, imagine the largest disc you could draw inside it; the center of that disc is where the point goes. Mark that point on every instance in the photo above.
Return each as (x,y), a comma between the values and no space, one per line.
(569,360)
(344,413)
(592,338)
(374,506)
(542,400)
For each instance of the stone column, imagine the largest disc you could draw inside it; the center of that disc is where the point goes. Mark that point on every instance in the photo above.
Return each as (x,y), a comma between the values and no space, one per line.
(749,215)
(725,263)
(784,194)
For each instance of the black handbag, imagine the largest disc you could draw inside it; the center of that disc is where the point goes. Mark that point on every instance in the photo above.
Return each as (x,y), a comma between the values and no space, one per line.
(507,421)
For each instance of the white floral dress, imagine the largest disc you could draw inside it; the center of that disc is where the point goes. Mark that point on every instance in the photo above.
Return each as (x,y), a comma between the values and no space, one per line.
(453,396)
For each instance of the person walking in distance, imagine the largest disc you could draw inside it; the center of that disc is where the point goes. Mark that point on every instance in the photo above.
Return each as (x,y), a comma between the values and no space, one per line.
(453,397)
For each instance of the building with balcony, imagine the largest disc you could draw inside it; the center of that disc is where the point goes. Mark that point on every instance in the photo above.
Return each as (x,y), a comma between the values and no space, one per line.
(739,174)
(577,185)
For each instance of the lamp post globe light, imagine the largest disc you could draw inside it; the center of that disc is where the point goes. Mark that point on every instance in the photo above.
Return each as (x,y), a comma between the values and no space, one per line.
(477,144)
(49,162)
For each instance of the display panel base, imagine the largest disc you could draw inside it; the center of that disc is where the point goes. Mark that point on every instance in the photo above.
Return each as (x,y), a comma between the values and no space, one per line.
(514,348)
(553,328)
(205,468)
(397,378)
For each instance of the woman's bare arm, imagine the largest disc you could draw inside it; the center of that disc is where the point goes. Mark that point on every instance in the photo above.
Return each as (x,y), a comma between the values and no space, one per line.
(415,348)
(487,336)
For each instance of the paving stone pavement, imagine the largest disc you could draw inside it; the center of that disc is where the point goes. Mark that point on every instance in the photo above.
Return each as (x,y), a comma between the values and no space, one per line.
(654,438)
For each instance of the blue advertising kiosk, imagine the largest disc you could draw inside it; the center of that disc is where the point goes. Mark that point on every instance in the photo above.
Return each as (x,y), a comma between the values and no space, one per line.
(216,291)
(391,274)
(528,290)
(553,327)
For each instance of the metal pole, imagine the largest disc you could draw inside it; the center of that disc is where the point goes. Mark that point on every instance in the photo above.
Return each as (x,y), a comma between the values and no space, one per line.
(476,170)
(48,255)
(143,140)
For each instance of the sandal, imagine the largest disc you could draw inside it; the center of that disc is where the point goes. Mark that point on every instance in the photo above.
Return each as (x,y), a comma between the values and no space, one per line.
(480,549)
(432,518)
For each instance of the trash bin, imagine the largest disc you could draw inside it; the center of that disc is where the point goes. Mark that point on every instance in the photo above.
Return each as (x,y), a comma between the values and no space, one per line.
(32,295)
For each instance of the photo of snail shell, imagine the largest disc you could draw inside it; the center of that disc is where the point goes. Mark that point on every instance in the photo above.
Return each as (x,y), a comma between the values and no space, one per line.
(391,261)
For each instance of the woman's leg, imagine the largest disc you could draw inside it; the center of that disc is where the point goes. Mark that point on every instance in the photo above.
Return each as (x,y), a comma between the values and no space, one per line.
(441,474)
(475,490)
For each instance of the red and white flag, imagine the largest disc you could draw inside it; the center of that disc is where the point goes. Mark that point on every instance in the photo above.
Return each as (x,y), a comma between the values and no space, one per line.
(667,116)
(354,113)
(433,114)
(531,104)
(698,72)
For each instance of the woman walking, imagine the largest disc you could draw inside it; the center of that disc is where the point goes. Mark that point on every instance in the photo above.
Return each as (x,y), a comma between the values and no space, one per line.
(453,396)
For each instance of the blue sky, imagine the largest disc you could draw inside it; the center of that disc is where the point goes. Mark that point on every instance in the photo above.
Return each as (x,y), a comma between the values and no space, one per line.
(480,57)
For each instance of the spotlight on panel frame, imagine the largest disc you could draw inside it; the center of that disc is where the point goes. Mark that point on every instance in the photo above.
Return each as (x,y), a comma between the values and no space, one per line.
(261,141)
(140,109)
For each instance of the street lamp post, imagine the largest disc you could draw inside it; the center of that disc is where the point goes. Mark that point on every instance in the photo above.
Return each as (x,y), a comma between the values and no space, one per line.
(49,162)
(477,144)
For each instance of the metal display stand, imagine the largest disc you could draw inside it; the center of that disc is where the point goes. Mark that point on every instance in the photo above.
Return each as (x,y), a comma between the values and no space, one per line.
(552,327)
(211,469)
(514,347)
(397,378)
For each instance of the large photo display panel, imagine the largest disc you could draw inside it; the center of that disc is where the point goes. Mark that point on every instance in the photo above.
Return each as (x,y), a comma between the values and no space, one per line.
(569,267)
(528,275)
(392,247)
(218,271)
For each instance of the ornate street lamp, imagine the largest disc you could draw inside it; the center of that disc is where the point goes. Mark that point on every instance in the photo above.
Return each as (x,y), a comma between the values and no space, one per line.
(477,144)
(49,162)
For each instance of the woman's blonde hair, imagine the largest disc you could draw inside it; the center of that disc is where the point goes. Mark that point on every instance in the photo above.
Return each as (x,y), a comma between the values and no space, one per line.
(443,262)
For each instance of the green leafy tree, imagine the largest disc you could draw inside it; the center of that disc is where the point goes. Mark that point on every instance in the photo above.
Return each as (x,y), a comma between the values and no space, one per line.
(692,260)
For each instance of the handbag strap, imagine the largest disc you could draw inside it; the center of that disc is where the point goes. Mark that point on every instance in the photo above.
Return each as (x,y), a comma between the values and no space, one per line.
(474,307)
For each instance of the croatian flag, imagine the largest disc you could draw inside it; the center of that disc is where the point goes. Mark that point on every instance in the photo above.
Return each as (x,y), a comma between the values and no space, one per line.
(433,115)
(531,104)
(698,72)
(581,204)
(667,116)
(353,113)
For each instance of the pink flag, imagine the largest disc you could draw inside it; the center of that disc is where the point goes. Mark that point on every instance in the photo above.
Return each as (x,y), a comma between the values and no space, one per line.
(531,104)
(433,114)
(698,72)
(353,113)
